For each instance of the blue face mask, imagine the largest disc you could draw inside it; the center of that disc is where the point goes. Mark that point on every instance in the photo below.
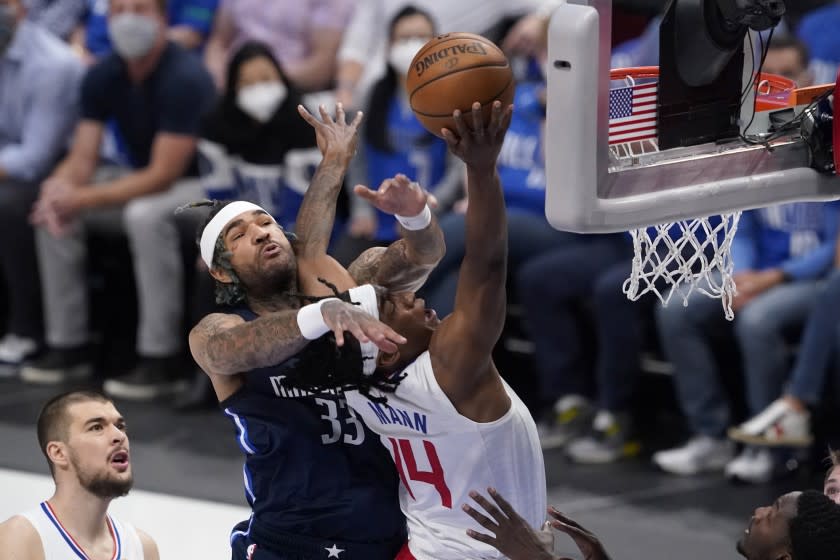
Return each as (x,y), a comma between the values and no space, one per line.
(8,24)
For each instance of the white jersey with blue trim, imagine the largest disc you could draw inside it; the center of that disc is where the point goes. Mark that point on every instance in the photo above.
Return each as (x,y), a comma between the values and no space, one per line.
(60,545)
(441,456)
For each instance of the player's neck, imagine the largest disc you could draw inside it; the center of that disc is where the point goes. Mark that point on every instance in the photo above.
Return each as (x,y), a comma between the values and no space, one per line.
(81,513)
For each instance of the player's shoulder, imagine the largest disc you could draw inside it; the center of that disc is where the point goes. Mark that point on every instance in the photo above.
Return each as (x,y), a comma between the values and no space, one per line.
(20,540)
(150,549)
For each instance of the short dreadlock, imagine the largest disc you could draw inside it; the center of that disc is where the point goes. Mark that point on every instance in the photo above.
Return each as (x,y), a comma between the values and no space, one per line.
(323,365)
(815,531)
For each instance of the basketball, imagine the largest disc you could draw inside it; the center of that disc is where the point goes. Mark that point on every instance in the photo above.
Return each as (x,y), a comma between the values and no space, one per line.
(453,71)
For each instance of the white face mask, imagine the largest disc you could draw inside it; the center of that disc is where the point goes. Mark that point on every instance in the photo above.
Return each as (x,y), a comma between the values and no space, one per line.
(260,101)
(402,53)
(133,35)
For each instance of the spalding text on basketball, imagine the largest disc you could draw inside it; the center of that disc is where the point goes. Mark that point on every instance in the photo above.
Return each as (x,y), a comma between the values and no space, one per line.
(431,59)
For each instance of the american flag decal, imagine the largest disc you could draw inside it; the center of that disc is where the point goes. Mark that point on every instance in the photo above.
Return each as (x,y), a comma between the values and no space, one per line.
(632,113)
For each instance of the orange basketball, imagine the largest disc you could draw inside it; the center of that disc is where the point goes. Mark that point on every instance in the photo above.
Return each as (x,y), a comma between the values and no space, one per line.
(453,71)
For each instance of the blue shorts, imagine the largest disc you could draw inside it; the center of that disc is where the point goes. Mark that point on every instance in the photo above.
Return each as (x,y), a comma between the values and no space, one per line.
(257,543)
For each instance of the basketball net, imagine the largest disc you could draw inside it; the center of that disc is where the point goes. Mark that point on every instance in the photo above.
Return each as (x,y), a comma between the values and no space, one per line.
(682,258)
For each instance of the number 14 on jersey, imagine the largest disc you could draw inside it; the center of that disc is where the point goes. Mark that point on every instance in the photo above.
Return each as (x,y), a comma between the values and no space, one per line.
(407,467)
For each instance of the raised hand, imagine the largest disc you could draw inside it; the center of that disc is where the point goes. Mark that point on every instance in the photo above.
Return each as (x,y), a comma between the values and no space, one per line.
(341,316)
(512,536)
(480,145)
(398,196)
(334,136)
(587,543)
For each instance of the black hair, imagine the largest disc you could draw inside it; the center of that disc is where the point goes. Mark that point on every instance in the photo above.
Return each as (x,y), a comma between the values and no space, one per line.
(834,461)
(376,129)
(815,531)
(259,143)
(52,424)
(325,366)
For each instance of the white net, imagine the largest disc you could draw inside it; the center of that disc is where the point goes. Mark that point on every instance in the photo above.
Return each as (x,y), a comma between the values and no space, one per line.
(685,257)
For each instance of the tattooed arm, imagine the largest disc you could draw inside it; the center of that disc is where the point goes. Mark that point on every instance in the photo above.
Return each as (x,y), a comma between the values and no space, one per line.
(337,141)
(226,344)
(406,263)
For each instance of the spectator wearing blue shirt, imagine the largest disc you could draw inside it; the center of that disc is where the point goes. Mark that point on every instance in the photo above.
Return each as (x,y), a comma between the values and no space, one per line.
(156,93)
(190,22)
(818,30)
(39,83)
(781,255)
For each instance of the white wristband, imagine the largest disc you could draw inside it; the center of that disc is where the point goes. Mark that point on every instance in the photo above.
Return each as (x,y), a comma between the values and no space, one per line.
(414,223)
(311,321)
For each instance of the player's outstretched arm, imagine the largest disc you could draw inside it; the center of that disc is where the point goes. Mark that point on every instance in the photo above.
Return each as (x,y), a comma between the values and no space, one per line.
(462,346)
(226,344)
(514,538)
(337,141)
(404,265)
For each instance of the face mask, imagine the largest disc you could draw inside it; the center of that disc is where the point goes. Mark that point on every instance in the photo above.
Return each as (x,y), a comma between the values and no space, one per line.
(132,35)
(260,101)
(8,24)
(402,53)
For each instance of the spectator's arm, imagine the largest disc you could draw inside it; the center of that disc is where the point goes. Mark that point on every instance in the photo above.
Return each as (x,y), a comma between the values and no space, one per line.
(62,17)
(744,253)
(171,155)
(451,186)
(360,39)
(221,38)
(315,72)
(816,263)
(80,164)
(47,126)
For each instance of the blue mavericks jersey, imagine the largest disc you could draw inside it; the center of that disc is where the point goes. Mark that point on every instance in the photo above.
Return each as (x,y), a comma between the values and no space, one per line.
(312,468)
(521,163)
(417,154)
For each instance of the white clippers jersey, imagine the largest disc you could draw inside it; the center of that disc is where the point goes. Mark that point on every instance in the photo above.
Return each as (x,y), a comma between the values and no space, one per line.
(60,545)
(441,456)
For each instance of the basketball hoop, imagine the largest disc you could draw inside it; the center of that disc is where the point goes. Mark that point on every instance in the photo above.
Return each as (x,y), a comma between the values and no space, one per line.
(690,255)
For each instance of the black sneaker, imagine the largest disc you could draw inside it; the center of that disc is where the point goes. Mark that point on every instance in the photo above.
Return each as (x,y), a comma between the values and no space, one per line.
(152,378)
(58,365)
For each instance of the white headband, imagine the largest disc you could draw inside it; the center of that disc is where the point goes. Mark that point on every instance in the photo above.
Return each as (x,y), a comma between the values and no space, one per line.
(214,228)
(365,297)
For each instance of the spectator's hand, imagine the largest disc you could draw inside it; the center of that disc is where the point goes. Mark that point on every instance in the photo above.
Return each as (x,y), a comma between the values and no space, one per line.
(750,283)
(528,36)
(50,210)
(341,316)
(480,145)
(363,227)
(334,136)
(587,543)
(398,196)
(512,536)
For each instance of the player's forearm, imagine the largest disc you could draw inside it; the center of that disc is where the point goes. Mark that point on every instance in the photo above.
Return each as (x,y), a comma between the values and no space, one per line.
(317,211)
(267,341)
(486,220)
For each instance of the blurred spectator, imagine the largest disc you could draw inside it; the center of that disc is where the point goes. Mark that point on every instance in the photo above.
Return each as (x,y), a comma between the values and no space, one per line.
(788,57)
(39,83)
(395,142)
(557,289)
(303,36)
(58,16)
(818,30)
(190,22)
(787,421)
(364,46)
(780,254)
(156,92)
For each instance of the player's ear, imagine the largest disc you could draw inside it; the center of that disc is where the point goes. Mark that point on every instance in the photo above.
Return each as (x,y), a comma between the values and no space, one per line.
(221,275)
(387,360)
